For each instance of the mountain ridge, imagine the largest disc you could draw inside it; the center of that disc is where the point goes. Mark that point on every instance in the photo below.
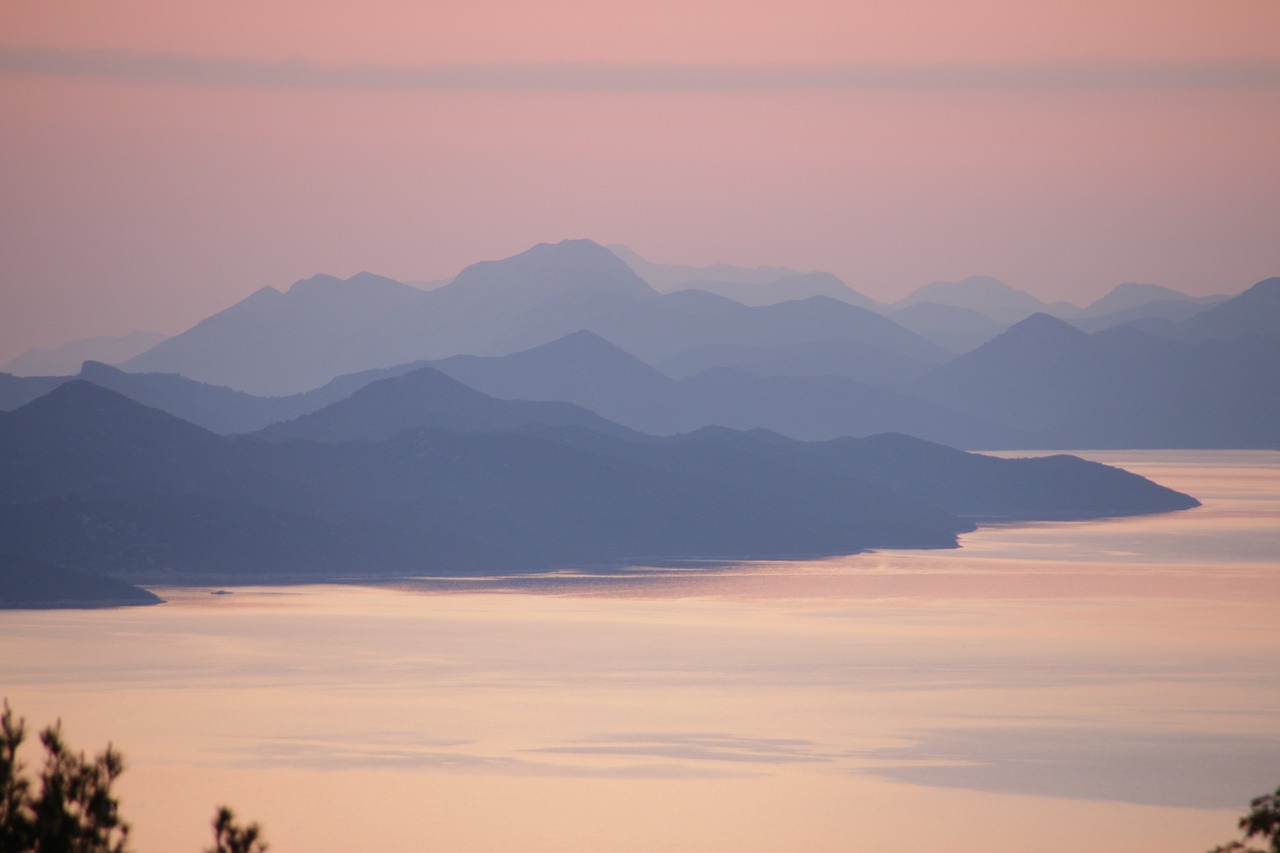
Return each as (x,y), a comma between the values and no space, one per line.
(153,498)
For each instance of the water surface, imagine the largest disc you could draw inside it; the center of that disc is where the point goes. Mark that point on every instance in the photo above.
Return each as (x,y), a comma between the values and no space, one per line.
(1109,685)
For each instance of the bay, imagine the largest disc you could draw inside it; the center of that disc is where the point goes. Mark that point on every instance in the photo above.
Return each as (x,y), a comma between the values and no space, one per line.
(1106,685)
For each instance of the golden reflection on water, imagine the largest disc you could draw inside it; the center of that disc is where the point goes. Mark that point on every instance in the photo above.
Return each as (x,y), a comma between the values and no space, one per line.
(1088,686)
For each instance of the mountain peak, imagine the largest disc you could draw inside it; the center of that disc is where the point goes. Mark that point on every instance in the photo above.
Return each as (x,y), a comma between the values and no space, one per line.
(1130,295)
(1268,288)
(976,284)
(63,360)
(968,288)
(583,341)
(86,416)
(83,396)
(583,244)
(266,294)
(1040,336)
(584,352)
(325,285)
(981,293)
(427,397)
(91,370)
(1041,326)
(548,270)
(315,284)
(1256,311)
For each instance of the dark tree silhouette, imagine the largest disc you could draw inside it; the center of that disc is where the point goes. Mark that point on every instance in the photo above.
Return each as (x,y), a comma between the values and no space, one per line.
(1262,821)
(231,838)
(75,810)
(17,824)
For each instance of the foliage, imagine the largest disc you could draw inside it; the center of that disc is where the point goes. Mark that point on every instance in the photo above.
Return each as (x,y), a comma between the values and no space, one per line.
(230,838)
(1263,821)
(75,810)
(16,821)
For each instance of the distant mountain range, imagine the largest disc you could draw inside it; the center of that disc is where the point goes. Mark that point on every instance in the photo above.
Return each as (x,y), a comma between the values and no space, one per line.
(498,307)
(564,408)
(985,295)
(282,343)
(213,407)
(425,397)
(668,277)
(957,316)
(95,481)
(67,358)
(1125,388)
(952,327)
(1254,312)
(587,370)
(1186,373)
(275,343)
(982,295)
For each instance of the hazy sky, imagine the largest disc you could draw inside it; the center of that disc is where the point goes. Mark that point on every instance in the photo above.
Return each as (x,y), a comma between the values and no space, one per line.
(161,160)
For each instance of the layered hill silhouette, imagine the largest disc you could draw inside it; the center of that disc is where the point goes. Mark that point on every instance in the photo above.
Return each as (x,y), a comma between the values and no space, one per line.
(985,295)
(953,327)
(1209,381)
(674,323)
(669,277)
(585,369)
(963,314)
(1132,295)
(275,343)
(851,359)
(573,405)
(425,397)
(574,323)
(1120,388)
(1256,311)
(1160,317)
(214,407)
(17,391)
(785,288)
(97,482)
(67,358)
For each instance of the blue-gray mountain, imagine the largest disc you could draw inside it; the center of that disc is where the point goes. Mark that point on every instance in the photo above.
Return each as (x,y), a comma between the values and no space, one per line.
(213,407)
(95,481)
(284,343)
(425,397)
(67,358)
(954,327)
(1172,372)
(1120,388)
(587,370)
(1254,312)
(985,295)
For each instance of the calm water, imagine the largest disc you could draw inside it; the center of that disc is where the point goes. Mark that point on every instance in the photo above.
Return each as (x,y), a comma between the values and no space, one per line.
(1106,685)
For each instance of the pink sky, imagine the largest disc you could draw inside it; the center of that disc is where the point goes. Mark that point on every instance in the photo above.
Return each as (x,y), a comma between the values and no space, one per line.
(160,161)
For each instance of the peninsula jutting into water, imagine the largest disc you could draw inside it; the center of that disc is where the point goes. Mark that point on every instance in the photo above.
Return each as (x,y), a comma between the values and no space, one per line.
(533,440)
(102,483)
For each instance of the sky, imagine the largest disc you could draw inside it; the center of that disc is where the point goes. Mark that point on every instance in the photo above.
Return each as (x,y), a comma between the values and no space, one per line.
(160,161)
